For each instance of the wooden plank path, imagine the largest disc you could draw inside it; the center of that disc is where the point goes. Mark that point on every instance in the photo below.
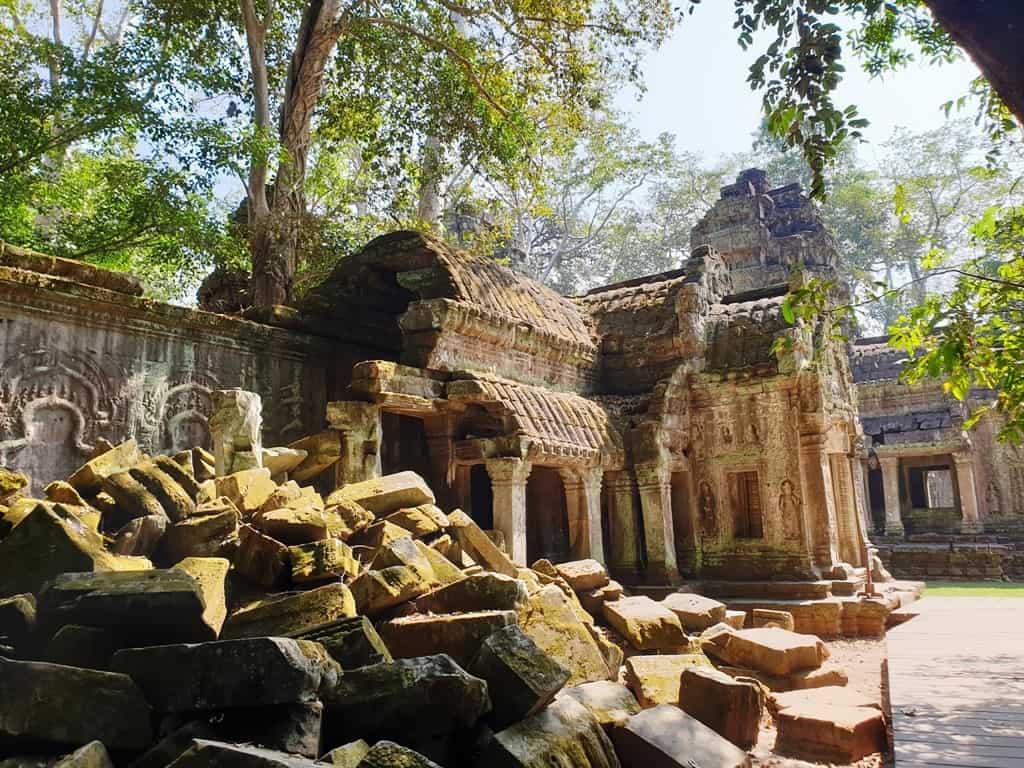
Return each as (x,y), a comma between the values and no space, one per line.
(956,684)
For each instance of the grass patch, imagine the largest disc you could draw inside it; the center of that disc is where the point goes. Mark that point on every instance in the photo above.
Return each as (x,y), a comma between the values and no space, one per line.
(974,589)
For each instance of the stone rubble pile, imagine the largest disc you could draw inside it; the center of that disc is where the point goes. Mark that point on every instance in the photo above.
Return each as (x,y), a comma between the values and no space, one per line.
(164,611)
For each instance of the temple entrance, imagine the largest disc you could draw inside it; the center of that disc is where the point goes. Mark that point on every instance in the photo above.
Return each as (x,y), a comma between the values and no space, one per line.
(547,517)
(876,500)
(403,445)
(481,497)
(682,523)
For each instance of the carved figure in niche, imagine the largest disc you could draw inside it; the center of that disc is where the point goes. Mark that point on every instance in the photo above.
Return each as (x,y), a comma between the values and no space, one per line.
(726,434)
(188,430)
(53,446)
(994,499)
(699,437)
(708,510)
(789,509)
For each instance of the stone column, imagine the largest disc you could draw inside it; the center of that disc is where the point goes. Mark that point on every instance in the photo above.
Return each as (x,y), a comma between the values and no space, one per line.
(441,451)
(891,483)
(820,524)
(235,427)
(659,537)
(358,425)
(583,505)
(508,483)
(971,523)
(624,547)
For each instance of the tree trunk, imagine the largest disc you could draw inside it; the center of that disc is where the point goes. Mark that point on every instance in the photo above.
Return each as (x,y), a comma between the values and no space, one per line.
(428,208)
(992,33)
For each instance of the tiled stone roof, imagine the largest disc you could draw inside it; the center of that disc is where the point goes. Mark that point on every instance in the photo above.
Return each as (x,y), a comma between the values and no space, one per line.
(740,334)
(872,359)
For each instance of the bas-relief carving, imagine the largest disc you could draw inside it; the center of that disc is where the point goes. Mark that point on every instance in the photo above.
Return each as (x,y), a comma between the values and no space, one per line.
(708,508)
(790,509)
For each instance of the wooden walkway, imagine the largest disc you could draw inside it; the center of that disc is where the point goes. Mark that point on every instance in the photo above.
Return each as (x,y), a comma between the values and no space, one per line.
(956,684)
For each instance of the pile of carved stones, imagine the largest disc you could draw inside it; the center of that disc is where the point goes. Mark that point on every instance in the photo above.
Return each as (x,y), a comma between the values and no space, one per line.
(154,613)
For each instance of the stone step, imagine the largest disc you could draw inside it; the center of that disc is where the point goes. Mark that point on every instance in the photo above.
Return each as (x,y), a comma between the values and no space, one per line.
(774,590)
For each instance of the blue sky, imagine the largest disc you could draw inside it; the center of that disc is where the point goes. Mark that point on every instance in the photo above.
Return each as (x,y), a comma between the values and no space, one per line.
(697,89)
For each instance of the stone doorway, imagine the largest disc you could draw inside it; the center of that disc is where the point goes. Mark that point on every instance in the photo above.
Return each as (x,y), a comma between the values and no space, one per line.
(403,445)
(481,497)
(547,517)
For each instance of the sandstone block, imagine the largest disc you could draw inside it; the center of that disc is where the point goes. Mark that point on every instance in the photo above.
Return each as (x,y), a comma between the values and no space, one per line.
(175,744)
(88,647)
(207,534)
(479,545)
(132,498)
(695,612)
(210,573)
(292,728)
(17,619)
(376,591)
(89,477)
(732,708)
(458,634)
(92,755)
(522,677)
(829,732)
(140,536)
(347,755)
(287,494)
(563,734)
(655,680)
(379,535)
(410,699)
(387,494)
(611,703)
(65,705)
(735,619)
(583,575)
(291,614)
(593,600)
(216,754)
(821,697)
(248,489)
(281,460)
(348,519)
(549,619)
(330,559)
(445,571)
(174,500)
(254,672)
(181,472)
(262,559)
(763,617)
(322,451)
(294,526)
(59,491)
(352,642)
(11,483)
(647,625)
(419,521)
(387,754)
(404,551)
(480,592)
(667,737)
(769,649)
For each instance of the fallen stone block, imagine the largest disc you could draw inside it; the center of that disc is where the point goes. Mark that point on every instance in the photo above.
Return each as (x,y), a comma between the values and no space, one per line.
(828,674)
(210,573)
(379,535)
(523,678)
(387,494)
(89,477)
(140,536)
(695,612)
(65,705)
(144,607)
(655,680)
(92,755)
(593,600)
(207,534)
(408,699)
(248,489)
(732,708)
(829,732)
(348,519)
(282,460)
(376,591)
(763,617)
(175,744)
(330,559)
(647,625)
(181,472)
(403,551)
(11,484)
(216,754)
(735,619)
(291,614)
(549,619)
(388,754)
(419,521)
(667,737)
(347,755)
(480,592)
(479,545)
(17,619)
(562,734)
(352,642)
(769,649)
(323,450)
(583,575)
(254,672)
(262,559)
(292,728)
(294,526)
(174,500)
(445,571)
(288,494)
(610,650)
(132,498)
(60,492)
(458,634)
(611,703)
(88,647)
(821,697)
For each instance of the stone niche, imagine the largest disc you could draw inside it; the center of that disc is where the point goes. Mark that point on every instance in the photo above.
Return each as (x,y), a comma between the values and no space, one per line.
(83,357)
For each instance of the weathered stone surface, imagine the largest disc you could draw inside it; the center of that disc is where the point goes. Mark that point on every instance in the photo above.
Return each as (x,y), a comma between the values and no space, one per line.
(403,551)
(320,561)
(408,699)
(133,499)
(522,677)
(175,744)
(181,472)
(210,574)
(347,755)
(445,571)
(253,672)
(458,634)
(695,612)
(287,494)
(156,606)
(281,460)
(11,483)
(549,619)
(735,619)
(291,614)
(583,575)
(89,477)
(828,674)
(763,617)
(294,526)
(732,708)
(769,649)
(380,535)
(479,545)
(59,491)
(248,489)
(563,734)
(419,521)
(140,536)
(593,600)
(350,519)
(175,501)
(235,427)
(17,619)
(54,703)
(387,494)
(830,732)
(611,703)
(667,737)
(262,559)
(821,697)
(92,755)
(88,647)
(479,592)
(322,451)
(647,625)
(387,754)
(205,753)
(655,680)
(208,534)
(352,642)
(293,728)
(376,591)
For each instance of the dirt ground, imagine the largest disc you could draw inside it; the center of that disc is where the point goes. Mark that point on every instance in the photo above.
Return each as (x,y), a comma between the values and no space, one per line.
(863,661)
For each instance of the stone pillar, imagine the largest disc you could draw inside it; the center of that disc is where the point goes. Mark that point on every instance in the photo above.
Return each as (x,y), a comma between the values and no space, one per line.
(624,547)
(358,425)
(441,451)
(583,505)
(891,483)
(655,487)
(971,523)
(860,495)
(508,483)
(820,525)
(235,427)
